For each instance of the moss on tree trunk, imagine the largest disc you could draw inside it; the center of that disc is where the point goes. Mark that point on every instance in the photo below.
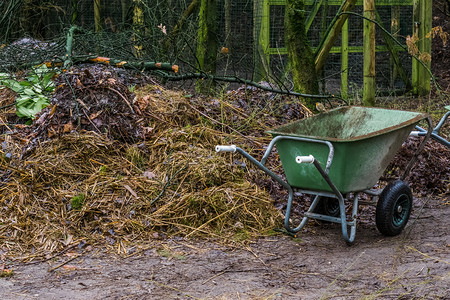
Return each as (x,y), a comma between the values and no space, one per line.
(300,54)
(207,45)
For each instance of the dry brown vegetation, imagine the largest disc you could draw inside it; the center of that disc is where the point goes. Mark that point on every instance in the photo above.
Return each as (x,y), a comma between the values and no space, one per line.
(115,165)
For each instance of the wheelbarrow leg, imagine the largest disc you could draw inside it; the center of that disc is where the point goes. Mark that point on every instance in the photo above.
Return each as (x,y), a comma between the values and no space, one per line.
(349,239)
(304,219)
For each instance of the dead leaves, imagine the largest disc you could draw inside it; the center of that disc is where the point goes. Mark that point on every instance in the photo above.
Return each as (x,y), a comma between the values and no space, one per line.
(438,31)
(142,102)
(413,41)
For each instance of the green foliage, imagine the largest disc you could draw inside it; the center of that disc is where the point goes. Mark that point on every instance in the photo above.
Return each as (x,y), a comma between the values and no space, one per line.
(32,92)
(77,201)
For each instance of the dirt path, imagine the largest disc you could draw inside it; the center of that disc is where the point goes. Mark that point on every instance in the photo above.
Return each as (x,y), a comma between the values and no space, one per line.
(316,265)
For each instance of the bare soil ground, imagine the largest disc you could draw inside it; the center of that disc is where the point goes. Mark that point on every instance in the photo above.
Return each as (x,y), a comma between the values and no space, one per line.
(315,265)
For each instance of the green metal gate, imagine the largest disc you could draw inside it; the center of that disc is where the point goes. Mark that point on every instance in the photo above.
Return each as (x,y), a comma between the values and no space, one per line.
(400,17)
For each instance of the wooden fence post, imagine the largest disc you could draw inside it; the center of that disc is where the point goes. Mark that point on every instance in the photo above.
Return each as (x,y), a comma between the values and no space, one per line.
(422,14)
(369,54)
(344,61)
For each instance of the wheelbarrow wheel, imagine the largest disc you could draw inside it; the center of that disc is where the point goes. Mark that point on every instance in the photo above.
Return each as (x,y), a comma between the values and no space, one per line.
(393,208)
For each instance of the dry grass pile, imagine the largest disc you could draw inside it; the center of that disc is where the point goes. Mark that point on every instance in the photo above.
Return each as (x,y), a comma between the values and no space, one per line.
(63,185)
(89,188)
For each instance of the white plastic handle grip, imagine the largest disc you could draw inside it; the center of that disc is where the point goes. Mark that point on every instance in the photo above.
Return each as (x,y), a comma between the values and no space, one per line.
(231,148)
(414,133)
(304,159)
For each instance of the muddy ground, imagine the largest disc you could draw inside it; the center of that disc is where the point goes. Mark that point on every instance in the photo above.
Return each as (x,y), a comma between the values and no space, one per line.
(317,264)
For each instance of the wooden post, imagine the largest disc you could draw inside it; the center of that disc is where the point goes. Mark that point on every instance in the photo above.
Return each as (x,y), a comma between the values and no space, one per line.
(227,23)
(322,36)
(124,5)
(369,54)
(344,61)
(424,84)
(300,54)
(422,17)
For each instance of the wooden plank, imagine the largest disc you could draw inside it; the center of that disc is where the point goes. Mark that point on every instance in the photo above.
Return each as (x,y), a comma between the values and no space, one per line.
(369,54)
(333,34)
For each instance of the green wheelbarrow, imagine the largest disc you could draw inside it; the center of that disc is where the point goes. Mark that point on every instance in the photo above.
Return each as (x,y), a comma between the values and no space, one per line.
(338,155)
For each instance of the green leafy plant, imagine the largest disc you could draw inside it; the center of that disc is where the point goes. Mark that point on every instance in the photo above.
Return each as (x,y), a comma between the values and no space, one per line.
(77,201)
(32,92)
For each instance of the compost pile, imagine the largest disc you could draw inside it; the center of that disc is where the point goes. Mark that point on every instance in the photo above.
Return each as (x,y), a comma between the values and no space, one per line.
(431,172)
(117,161)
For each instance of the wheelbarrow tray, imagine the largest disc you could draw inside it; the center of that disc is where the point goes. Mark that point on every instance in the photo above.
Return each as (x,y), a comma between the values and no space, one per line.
(365,141)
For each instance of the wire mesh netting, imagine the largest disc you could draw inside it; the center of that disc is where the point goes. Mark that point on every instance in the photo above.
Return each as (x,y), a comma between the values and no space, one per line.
(35,31)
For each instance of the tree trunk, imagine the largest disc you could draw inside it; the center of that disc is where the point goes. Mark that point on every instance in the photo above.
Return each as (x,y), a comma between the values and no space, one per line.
(138,28)
(207,45)
(97,16)
(300,54)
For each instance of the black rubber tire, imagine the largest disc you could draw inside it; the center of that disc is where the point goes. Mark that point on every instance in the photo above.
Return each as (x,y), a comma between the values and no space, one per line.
(393,208)
(328,206)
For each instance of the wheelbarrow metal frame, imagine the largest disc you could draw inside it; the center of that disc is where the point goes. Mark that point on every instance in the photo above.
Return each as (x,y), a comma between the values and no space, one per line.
(348,235)
(435,132)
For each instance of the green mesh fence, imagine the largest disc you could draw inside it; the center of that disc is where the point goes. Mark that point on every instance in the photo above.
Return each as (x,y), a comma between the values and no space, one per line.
(35,31)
